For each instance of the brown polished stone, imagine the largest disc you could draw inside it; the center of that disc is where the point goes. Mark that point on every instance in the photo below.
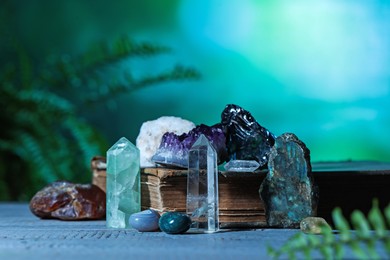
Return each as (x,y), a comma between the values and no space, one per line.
(69,201)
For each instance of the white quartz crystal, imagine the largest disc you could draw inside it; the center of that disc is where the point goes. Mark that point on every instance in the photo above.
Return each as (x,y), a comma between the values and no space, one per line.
(151,132)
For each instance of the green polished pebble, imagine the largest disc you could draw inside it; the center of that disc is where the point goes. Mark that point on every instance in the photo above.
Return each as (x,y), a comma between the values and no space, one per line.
(174,222)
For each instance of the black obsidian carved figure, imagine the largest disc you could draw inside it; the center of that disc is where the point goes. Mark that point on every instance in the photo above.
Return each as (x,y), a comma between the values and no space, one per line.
(245,138)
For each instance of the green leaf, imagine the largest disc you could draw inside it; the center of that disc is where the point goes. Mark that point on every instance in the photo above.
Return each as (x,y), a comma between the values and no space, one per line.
(326,251)
(360,223)
(387,245)
(376,219)
(307,252)
(339,250)
(371,249)
(357,249)
(327,234)
(341,224)
(363,242)
(272,252)
(387,214)
(291,255)
(313,241)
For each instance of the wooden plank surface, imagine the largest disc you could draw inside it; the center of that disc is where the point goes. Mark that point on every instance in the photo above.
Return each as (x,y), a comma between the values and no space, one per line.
(24,236)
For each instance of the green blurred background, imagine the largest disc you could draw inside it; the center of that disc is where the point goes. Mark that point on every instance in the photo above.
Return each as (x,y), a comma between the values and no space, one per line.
(76,75)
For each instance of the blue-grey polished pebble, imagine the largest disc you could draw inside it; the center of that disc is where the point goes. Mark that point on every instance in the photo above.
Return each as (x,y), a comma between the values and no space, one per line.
(174,222)
(145,221)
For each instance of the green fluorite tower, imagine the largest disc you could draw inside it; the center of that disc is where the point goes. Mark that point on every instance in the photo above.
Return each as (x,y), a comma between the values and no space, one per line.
(123,183)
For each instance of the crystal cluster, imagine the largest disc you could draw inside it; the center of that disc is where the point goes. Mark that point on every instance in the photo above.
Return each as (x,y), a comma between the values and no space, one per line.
(245,138)
(174,148)
(123,183)
(288,191)
(202,187)
(151,132)
(237,137)
(68,201)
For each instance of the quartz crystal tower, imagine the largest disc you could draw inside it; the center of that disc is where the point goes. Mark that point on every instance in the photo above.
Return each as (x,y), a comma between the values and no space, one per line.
(123,183)
(202,186)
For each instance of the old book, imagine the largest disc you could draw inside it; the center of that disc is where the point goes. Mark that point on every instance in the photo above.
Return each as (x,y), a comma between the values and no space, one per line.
(239,203)
(349,185)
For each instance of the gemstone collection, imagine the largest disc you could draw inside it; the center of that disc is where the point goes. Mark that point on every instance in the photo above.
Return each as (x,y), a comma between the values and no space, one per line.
(288,191)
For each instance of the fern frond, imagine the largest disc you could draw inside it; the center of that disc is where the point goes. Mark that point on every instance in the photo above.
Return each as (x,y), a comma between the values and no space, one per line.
(43,134)
(87,74)
(89,142)
(99,56)
(178,73)
(363,241)
(104,53)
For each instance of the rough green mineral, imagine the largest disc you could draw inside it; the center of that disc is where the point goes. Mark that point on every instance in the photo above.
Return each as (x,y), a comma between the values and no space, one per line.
(288,192)
(123,183)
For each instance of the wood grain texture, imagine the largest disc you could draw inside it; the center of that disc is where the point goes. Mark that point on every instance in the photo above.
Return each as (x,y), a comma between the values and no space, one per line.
(24,236)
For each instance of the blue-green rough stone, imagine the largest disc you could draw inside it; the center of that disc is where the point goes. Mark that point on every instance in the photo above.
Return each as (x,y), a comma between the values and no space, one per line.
(145,221)
(288,192)
(174,222)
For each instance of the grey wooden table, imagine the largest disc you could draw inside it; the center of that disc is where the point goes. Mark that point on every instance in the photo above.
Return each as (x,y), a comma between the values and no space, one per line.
(24,236)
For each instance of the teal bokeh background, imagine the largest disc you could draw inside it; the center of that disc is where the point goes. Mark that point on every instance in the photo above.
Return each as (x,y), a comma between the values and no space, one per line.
(318,69)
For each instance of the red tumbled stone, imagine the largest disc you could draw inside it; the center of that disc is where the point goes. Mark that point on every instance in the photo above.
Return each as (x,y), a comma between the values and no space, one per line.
(68,201)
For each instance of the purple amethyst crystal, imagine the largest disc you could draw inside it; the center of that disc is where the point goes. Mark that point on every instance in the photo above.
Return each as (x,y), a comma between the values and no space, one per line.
(174,148)
(245,138)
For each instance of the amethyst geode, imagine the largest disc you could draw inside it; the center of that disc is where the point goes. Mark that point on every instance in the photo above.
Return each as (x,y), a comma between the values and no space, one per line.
(173,150)
(245,138)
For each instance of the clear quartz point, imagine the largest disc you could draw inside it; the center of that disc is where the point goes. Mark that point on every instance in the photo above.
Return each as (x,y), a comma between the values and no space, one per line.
(123,183)
(202,187)
(241,166)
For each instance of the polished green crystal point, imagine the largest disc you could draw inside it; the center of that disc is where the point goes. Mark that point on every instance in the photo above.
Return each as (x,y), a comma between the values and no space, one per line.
(123,183)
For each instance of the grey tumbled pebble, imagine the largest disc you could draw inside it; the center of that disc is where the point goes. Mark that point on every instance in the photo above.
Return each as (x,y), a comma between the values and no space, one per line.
(145,221)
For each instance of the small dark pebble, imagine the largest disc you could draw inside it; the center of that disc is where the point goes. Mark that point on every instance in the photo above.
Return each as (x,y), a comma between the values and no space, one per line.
(174,223)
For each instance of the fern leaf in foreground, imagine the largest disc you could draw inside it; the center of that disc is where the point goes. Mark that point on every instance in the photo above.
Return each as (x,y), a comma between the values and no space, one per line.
(370,233)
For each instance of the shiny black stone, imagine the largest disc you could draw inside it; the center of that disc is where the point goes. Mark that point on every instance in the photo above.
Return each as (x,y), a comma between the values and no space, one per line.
(246,139)
(288,191)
